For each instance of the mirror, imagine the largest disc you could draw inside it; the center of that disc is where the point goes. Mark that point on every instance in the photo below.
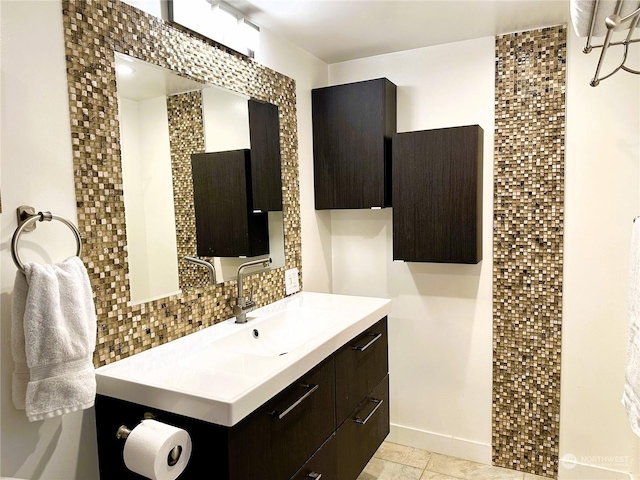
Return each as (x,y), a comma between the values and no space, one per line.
(94,32)
(158,110)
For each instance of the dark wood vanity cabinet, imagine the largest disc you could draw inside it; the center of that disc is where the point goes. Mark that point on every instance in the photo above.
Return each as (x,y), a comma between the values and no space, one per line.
(362,433)
(362,399)
(295,435)
(353,126)
(266,176)
(280,436)
(437,204)
(225,223)
(324,462)
(360,365)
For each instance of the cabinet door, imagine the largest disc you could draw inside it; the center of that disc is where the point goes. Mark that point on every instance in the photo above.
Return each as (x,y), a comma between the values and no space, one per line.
(280,436)
(225,224)
(360,365)
(323,465)
(266,178)
(352,129)
(437,205)
(363,432)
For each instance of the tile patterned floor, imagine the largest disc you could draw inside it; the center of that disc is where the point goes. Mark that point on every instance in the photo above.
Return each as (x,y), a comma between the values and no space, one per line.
(397,462)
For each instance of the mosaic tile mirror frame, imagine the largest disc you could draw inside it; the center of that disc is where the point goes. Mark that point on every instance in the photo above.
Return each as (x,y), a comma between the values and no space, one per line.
(94,31)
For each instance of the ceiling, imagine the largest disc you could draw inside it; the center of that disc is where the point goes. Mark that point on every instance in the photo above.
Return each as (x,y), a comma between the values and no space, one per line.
(340,30)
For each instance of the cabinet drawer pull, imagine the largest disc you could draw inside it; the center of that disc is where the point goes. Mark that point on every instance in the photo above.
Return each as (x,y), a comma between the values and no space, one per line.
(282,413)
(377,403)
(376,336)
(315,475)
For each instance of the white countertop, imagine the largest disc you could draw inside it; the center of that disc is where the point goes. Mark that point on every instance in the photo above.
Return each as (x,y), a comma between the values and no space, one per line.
(217,375)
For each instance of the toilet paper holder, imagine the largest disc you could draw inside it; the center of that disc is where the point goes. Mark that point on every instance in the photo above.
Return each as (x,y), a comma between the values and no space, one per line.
(175,453)
(124,431)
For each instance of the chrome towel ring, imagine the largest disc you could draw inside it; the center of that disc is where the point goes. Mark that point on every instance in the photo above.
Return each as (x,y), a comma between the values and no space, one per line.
(26,223)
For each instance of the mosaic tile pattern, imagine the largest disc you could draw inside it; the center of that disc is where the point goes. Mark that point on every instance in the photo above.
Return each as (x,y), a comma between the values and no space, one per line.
(186,136)
(528,249)
(94,30)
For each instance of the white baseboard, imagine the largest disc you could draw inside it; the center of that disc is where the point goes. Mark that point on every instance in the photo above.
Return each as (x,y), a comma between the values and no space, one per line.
(481,453)
(580,471)
(445,445)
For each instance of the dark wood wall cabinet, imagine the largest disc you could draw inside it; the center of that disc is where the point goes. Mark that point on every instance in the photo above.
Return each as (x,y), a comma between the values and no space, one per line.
(353,126)
(266,176)
(223,200)
(434,176)
(437,204)
(327,424)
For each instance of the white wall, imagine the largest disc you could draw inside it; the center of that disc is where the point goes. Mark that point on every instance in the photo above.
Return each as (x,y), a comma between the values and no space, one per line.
(157,180)
(225,116)
(602,198)
(37,169)
(309,73)
(146,174)
(440,327)
(132,168)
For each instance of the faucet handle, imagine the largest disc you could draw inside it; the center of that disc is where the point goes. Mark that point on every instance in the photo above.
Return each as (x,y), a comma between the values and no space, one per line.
(251,294)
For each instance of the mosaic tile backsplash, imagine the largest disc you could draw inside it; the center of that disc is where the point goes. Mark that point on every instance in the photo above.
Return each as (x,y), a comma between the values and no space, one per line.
(94,30)
(528,248)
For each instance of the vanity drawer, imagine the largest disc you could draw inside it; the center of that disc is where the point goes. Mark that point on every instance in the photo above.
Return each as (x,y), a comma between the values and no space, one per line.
(363,432)
(360,365)
(323,464)
(282,434)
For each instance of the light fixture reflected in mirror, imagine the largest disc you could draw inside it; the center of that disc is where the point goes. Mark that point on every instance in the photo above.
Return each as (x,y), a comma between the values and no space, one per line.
(125,70)
(124,66)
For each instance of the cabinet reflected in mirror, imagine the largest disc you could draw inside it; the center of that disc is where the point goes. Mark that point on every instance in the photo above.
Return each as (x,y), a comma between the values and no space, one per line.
(164,119)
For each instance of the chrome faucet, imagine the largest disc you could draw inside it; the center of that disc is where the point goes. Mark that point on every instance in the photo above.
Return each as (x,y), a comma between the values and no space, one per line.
(244,306)
(204,263)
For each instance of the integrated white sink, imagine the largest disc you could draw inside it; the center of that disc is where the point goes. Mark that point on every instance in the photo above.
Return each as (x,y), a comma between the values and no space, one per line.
(279,333)
(224,372)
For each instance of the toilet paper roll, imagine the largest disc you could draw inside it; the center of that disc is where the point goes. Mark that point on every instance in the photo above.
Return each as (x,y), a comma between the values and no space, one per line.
(148,450)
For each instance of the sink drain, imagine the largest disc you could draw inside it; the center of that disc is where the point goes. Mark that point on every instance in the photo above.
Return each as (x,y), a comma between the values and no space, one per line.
(256,333)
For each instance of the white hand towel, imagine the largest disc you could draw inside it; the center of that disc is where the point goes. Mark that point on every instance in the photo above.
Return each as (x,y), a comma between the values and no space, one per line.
(631,394)
(21,373)
(52,338)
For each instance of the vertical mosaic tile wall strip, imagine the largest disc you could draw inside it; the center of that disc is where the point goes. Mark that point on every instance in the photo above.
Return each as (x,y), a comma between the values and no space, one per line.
(186,136)
(527,249)
(93,31)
